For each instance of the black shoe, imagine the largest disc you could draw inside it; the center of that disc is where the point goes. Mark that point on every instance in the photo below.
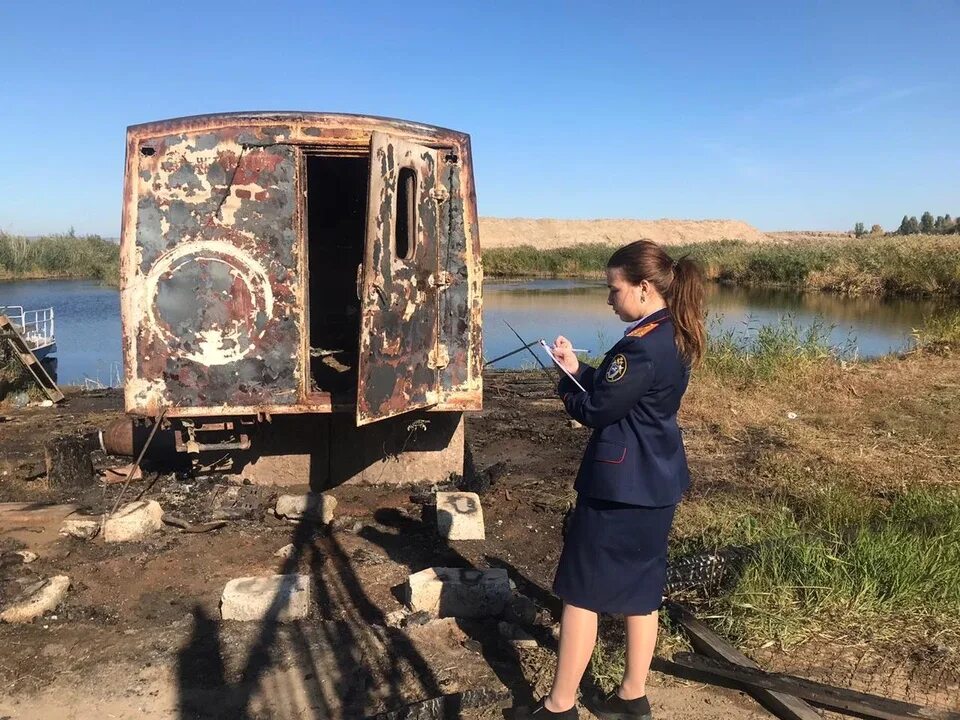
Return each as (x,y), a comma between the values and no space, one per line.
(540,712)
(614,707)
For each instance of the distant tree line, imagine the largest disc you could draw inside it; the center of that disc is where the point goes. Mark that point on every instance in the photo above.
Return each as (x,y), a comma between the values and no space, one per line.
(926,225)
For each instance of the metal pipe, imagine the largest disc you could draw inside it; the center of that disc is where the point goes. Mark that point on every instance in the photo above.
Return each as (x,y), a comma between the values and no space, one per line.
(512,352)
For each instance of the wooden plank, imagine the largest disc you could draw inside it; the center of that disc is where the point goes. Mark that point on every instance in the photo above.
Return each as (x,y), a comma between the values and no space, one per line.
(828,696)
(20,513)
(706,641)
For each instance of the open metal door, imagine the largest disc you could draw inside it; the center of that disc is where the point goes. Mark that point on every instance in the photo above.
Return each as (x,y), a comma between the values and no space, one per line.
(398,368)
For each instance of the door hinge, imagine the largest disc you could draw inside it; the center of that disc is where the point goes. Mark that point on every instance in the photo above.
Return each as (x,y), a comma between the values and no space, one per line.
(442,280)
(439,358)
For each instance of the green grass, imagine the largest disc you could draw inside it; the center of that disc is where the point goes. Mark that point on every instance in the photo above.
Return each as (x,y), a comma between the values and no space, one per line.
(830,565)
(59,256)
(848,565)
(781,349)
(939,333)
(921,265)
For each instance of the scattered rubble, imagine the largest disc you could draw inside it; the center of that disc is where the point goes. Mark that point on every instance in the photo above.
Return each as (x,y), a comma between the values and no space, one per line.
(238,502)
(396,618)
(68,463)
(460,516)
(40,598)
(133,522)
(278,598)
(459,592)
(112,475)
(521,610)
(80,528)
(515,636)
(286,552)
(16,557)
(309,506)
(187,526)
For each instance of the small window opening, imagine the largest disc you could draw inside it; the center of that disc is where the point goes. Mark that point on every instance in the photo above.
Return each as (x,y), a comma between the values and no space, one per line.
(406,227)
(147,150)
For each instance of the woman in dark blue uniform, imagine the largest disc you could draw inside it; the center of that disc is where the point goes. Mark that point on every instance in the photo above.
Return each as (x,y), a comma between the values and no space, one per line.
(633,473)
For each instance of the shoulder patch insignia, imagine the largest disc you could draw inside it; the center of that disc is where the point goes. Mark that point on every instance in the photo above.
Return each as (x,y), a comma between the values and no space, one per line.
(639,332)
(617,368)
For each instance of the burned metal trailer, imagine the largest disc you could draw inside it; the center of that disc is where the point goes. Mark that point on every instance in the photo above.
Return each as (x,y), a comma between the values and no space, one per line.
(303,290)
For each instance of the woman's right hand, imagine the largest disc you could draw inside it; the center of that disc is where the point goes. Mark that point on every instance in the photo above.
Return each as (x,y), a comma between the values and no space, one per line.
(563,352)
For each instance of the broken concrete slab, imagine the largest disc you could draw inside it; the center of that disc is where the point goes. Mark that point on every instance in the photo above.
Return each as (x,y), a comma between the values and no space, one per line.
(134,521)
(276,598)
(460,516)
(80,528)
(309,506)
(459,592)
(26,556)
(37,600)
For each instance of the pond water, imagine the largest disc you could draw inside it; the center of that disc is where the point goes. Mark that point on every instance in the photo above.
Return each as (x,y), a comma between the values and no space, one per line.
(868,327)
(88,319)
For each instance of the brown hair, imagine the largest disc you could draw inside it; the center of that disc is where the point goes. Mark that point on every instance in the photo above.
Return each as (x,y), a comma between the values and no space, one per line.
(680,282)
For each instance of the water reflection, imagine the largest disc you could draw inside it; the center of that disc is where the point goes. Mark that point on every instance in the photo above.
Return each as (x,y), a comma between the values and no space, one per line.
(578,309)
(88,318)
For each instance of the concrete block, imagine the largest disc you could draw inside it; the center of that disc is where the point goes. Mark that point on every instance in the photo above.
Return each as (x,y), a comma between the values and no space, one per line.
(82,529)
(460,516)
(39,599)
(277,598)
(312,505)
(458,592)
(134,521)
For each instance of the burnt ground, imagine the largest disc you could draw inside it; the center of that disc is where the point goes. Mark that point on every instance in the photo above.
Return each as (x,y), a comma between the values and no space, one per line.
(139,633)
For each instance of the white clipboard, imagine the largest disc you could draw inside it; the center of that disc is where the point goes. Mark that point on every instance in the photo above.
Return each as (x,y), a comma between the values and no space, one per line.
(556,362)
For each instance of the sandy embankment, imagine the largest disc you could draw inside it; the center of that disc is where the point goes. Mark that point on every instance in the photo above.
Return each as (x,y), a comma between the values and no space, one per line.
(547,233)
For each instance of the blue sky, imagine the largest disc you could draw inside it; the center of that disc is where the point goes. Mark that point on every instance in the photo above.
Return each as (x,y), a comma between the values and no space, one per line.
(809,115)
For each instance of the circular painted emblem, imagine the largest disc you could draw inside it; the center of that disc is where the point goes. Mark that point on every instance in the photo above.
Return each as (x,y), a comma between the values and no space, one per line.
(210,300)
(617,368)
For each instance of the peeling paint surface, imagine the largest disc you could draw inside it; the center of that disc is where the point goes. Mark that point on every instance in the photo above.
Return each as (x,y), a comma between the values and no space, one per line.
(216,285)
(399,323)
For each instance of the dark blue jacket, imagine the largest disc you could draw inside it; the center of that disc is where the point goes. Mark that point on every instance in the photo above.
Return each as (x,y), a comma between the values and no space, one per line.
(635,454)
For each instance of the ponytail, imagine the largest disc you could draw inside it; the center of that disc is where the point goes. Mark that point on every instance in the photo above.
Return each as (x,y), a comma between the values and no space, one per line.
(679,282)
(685,299)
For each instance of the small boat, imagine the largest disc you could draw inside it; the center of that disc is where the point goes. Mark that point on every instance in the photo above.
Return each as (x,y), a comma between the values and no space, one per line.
(36,327)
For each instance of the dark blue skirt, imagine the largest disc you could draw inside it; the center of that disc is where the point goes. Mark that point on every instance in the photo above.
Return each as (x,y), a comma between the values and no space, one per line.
(614,557)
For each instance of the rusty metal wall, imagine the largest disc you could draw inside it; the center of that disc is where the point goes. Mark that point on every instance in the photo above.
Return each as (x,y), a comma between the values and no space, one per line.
(212,276)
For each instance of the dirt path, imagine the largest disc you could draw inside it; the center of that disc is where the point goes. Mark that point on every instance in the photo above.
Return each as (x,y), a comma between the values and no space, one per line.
(139,633)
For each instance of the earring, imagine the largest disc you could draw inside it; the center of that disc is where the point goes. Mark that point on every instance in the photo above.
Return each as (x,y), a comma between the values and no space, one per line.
(643,297)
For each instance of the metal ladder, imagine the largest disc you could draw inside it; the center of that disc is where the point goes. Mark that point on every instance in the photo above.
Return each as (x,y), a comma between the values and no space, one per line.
(22,351)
